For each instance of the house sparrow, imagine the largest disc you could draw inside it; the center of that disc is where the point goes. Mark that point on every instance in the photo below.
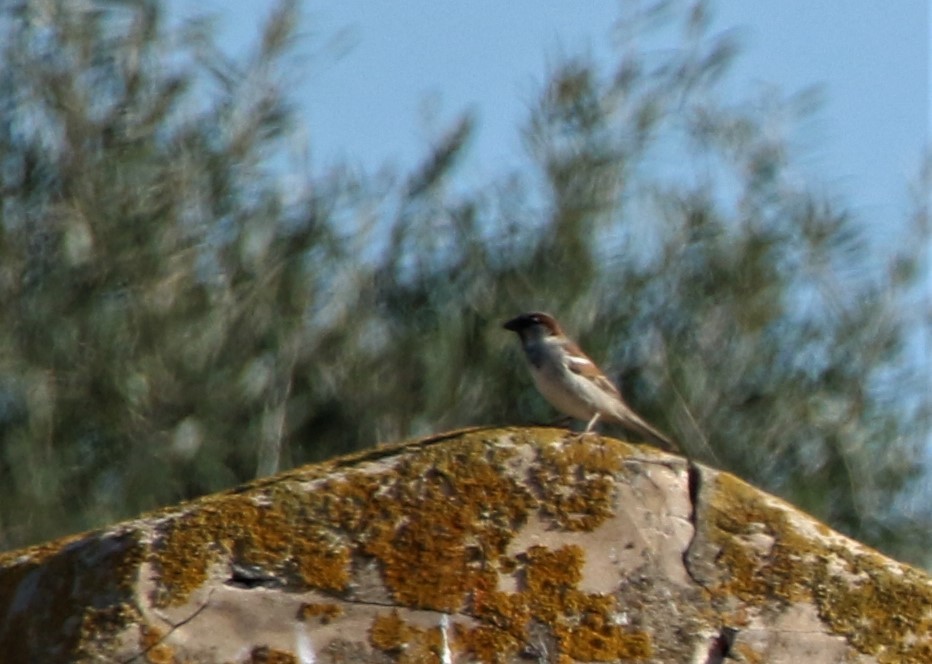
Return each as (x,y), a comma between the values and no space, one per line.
(570,381)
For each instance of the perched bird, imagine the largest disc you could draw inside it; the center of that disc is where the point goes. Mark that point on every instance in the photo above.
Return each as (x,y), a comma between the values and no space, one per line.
(571,382)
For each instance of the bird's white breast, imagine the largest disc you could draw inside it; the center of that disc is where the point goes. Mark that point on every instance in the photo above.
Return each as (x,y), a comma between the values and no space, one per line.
(565,390)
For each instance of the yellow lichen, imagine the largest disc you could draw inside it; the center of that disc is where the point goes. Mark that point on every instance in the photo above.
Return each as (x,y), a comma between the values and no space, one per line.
(739,512)
(878,611)
(880,614)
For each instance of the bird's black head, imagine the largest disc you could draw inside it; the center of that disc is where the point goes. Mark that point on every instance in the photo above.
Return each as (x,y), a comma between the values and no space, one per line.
(533,320)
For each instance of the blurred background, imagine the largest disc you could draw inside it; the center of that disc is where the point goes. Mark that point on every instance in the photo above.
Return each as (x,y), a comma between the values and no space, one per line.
(237,240)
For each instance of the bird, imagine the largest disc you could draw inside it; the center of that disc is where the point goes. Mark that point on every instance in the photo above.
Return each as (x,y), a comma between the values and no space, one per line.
(571,382)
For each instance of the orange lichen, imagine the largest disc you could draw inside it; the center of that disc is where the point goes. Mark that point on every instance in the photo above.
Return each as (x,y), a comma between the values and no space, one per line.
(322,564)
(432,522)
(581,622)
(426,560)
(437,520)
(270,534)
(606,643)
(152,648)
(486,643)
(548,577)
(266,655)
(508,612)
(389,632)
(325,613)
(407,644)
(184,555)
(577,483)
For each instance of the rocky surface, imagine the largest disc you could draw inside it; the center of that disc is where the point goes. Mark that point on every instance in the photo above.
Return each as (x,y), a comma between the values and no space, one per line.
(484,545)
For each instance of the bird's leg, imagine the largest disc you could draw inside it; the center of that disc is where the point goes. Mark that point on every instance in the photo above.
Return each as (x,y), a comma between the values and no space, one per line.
(588,430)
(592,422)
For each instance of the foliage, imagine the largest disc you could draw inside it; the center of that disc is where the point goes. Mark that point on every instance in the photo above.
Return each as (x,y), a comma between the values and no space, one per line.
(179,316)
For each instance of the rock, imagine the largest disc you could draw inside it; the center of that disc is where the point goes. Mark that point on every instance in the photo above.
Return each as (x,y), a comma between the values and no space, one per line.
(483,545)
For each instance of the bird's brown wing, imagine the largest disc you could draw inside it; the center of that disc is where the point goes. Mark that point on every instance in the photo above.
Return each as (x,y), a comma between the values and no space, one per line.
(581,364)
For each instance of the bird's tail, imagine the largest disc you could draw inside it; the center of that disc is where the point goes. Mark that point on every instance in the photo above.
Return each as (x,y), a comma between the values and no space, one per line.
(634,423)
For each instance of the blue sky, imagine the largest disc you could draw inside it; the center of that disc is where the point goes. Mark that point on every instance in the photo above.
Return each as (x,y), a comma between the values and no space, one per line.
(384,76)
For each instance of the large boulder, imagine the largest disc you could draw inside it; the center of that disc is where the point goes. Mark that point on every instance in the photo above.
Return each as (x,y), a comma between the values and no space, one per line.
(483,545)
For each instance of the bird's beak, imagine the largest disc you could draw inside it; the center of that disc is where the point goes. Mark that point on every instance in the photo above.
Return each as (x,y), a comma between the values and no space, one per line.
(514,324)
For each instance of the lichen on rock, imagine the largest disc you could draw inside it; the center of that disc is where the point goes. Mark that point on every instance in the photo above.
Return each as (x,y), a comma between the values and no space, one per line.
(483,545)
